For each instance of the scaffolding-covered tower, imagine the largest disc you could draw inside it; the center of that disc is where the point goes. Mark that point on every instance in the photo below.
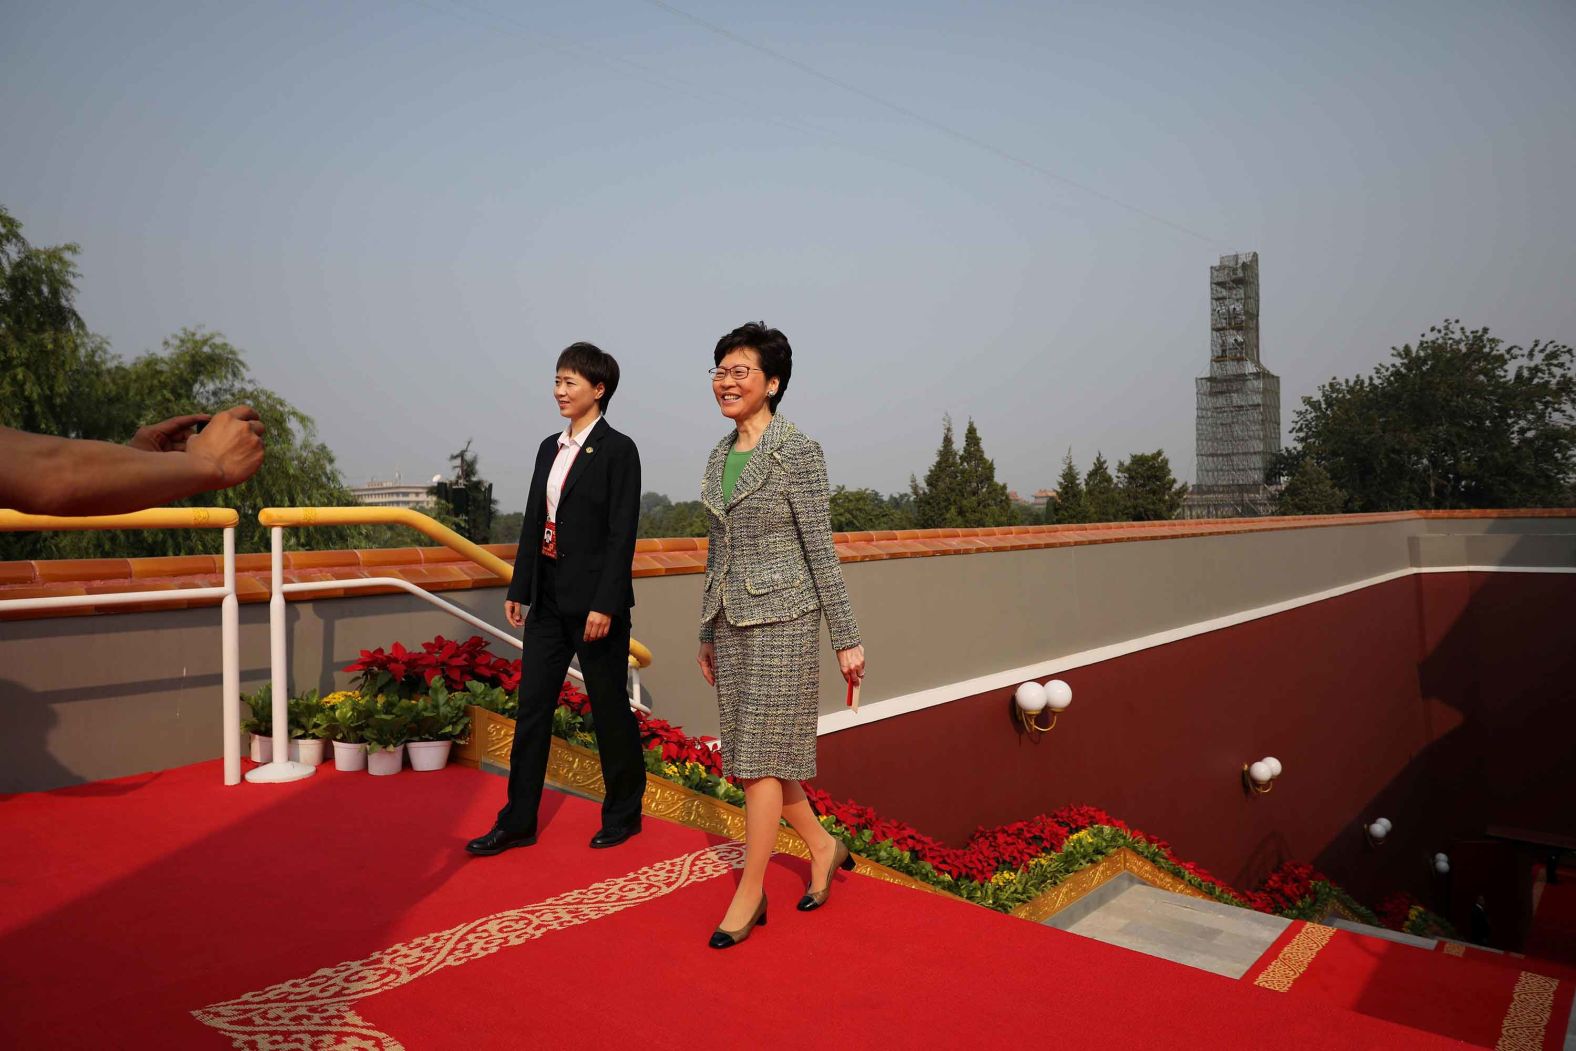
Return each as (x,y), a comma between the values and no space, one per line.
(1238,402)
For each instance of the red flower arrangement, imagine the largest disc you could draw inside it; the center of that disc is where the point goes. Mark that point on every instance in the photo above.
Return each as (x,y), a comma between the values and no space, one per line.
(410,672)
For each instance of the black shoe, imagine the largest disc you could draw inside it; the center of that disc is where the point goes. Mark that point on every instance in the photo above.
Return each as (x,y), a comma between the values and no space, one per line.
(814,899)
(497,841)
(612,837)
(721,939)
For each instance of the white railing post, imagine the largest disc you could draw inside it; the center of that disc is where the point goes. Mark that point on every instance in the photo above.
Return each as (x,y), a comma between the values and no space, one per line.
(230,657)
(281,769)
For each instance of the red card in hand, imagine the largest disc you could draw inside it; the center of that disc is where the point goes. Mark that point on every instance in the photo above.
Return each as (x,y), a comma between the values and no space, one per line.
(853,695)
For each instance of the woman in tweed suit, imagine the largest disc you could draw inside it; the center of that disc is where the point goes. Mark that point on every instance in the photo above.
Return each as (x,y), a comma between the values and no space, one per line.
(771,572)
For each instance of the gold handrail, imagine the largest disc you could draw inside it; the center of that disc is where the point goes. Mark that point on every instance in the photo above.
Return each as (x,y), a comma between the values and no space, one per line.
(288,517)
(154,518)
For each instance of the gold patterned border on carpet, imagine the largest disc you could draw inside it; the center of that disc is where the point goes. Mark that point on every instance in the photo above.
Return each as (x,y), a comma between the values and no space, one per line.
(317,1011)
(1049,902)
(1295,958)
(1527,1021)
(579,770)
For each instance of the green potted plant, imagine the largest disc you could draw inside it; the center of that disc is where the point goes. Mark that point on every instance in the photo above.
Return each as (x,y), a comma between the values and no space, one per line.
(259,724)
(308,728)
(387,729)
(440,718)
(345,713)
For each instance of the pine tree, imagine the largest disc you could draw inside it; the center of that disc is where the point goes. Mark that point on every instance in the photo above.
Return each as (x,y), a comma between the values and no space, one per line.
(1149,491)
(1069,504)
(1101,497)
(1309,491)
(983,500)
(936,502)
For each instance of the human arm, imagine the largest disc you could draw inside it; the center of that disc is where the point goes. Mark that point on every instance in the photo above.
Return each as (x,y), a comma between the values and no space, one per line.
(41,474)
(809,496)
(623,520)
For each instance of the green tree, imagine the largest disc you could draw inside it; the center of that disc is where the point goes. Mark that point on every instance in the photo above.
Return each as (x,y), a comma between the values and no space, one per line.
(506,527)
(51,366)
(661,517)
(983,501)
(1102,499)
(1149,491)
(1069,504)
(936,503)
(199,371)
(1459,420)
(1309,491)
(863,510)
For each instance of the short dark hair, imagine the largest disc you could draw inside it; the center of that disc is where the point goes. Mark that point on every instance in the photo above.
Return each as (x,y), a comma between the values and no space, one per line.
(770,345)
(596,365)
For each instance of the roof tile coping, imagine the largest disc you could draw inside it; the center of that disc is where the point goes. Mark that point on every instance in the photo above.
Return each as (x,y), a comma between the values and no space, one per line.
(440,569)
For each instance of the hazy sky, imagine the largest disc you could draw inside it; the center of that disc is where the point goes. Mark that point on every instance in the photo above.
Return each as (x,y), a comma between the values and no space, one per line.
(401,211)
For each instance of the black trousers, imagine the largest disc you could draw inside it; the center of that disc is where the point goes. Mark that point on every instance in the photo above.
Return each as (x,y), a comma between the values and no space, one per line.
(552,637)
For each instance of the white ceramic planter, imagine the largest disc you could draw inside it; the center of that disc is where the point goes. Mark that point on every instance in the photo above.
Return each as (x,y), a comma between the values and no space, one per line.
(385,761)
(429,755)
(262,749)
(350,757)
(308,750)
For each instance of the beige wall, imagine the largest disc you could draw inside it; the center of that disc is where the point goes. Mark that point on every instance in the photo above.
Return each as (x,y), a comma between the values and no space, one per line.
(84,698)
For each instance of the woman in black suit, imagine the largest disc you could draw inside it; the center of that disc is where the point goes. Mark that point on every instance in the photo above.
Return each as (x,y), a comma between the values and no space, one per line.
(577,546)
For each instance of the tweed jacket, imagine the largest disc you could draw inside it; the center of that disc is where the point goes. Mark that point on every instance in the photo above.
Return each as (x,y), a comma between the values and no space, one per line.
(769,555)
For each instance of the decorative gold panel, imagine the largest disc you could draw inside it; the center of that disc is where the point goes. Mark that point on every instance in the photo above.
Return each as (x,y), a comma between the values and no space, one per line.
(1048,903)
(580,770)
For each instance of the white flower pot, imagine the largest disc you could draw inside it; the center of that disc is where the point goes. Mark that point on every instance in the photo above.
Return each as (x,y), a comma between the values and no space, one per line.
(262,749)
(308,750)
(385,761)
(350,757)
(429,755)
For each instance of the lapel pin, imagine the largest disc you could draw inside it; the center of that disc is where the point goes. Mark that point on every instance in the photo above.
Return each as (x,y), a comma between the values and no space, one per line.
(589,450)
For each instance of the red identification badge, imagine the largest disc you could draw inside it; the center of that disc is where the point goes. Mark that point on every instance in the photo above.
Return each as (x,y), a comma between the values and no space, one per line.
(550,541)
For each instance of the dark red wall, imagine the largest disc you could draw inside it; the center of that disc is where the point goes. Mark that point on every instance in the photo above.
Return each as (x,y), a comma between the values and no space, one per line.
(1441,701)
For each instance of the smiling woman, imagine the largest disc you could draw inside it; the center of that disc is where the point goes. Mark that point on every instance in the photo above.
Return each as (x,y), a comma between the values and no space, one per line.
(771,571)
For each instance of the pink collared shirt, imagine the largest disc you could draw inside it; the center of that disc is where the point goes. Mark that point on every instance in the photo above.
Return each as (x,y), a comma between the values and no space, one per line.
(568,449)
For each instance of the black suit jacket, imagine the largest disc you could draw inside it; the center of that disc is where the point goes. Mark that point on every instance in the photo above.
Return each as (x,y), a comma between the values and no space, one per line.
(598,514)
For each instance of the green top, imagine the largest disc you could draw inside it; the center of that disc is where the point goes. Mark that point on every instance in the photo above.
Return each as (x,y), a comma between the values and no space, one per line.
(731,471)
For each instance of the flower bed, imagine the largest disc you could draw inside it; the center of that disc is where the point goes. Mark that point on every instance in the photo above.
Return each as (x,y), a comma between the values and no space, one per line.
(1000,868)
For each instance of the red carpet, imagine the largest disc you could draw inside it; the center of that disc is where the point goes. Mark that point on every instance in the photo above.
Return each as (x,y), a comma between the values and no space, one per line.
(1476,998)
(129,905)
(1553,933)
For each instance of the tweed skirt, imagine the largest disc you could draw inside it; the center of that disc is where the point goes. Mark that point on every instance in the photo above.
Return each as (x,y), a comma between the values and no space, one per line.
(768,696)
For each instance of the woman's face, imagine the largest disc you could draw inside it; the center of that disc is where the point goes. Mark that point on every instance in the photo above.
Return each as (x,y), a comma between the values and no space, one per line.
(740,399)
(574,394)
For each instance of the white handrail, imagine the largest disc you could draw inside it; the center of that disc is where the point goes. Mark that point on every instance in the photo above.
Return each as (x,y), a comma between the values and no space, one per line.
(466,615)
(229,609)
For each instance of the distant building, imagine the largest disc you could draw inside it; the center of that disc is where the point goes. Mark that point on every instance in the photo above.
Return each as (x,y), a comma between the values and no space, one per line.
(1042,498)
(1238,423)
(392,494)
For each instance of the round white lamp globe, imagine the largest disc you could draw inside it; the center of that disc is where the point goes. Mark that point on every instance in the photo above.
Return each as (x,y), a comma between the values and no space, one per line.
(1441,857)
(1058,695)
(1260,772)
(1377,830)
(1442,867)
(1386,823)
(1274,765)
(1030,697)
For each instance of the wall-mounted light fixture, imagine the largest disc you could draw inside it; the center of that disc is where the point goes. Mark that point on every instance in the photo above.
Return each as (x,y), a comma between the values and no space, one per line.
(1260,777)
(1377,831)
(1441,863)
(1032,698)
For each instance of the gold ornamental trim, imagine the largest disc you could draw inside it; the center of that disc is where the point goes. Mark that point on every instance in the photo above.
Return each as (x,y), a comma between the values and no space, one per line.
(318,1009)
(1295,958)
(1527,1020)
(1087,880)
(579,770)
(1455,949)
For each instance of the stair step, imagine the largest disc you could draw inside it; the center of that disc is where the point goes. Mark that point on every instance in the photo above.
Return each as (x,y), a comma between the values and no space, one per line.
(1382,932)
(1128,912)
